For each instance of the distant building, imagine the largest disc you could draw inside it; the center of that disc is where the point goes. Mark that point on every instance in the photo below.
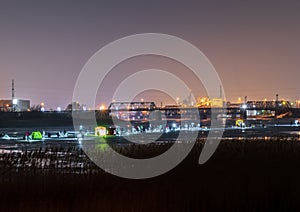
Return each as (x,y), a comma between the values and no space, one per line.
(269,104)
(131,111)
(205,102)
(17,105)
(217,102)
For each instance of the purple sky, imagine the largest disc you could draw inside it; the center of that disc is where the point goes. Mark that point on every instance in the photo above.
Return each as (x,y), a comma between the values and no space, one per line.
(254,46)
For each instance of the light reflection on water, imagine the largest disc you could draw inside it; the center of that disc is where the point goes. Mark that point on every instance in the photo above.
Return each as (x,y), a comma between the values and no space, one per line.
(102,147)
(286,132)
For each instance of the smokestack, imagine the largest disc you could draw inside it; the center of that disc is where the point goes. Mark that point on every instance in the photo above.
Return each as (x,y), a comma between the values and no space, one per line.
(12,90)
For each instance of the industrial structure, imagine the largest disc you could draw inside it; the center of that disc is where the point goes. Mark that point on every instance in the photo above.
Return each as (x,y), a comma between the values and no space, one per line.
(14,104)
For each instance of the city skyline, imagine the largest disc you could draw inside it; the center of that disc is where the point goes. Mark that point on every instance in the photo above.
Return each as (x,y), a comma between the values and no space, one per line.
(254,46)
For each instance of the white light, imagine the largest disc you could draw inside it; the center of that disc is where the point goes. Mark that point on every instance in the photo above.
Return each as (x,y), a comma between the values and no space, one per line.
(15,101)
(43,109)
(244,106)
(59,109)
(84,108)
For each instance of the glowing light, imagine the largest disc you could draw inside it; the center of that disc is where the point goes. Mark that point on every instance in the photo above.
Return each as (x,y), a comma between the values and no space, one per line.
(42,104)
(58,109)
(244,106)
(100,131)
(239,123)
(15,101)
(102,107)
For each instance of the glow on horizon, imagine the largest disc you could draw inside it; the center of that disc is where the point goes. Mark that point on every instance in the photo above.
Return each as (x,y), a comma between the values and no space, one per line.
(44,45)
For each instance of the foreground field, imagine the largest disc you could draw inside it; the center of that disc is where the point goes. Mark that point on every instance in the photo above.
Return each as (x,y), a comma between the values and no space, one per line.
(243,175)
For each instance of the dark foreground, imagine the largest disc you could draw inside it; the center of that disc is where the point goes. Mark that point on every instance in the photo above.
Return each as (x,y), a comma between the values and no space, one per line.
(243,175)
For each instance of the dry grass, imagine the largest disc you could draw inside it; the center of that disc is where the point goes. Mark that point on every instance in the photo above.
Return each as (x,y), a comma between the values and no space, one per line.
(243,175)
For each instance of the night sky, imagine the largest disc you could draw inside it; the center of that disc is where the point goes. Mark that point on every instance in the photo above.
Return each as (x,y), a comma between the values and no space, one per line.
(254,45)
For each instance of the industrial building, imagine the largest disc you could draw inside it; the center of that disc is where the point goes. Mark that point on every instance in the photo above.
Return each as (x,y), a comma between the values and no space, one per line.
(14,104)
(17,105)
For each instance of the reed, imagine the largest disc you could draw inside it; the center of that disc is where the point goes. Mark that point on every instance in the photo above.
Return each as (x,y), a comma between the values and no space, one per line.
(243,175)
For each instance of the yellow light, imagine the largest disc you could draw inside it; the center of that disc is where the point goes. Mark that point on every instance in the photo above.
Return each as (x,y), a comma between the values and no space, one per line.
(42,104)
(239,99)
(100,131)
(102,107)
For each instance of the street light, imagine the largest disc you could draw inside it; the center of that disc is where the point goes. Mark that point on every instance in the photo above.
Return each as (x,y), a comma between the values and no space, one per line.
(265,102)
(42,106)
(102,107)
(177,100)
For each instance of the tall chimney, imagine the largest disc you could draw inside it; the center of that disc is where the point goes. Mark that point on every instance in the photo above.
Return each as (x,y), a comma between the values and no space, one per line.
(12,90)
